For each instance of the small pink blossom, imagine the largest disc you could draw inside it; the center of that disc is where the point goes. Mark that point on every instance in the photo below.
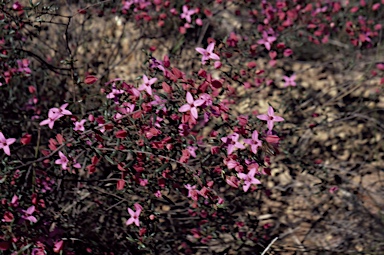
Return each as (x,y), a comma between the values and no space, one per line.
(191,105)
(159,101)
(114,93)
(208,53)
(63,161)
(254,142)
(23,66)
(249,179)
(267,40)
(192,150)
(52,117)
(60,112)
(79,125)
(158,194)
(134,215)
(4,143)
(187,14)
(28,214)
(192,191)
(232,142)
(270,118)
(289,81)
(147,84)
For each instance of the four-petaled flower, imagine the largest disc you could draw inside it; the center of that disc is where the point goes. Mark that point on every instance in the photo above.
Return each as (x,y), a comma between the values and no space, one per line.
(28,214)
(289,81)
(134,215)
(63,161)
(254,142)
(192,150)
(147,84)
(159,101)
(192,191)
(55,114)
(187,14)
(267,40)
(249,179)
(79,125)
(270,118)
(114,93)
(191,106)
(232,142)
(60,112)
(208,53)
(4,143)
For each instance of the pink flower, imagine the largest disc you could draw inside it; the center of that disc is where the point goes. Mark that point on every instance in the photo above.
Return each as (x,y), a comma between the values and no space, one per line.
(28,214)
(191,106)
(134,215)
(159,101)
(232,164)
(232,181)
(23,66)
(59,111)
(79,125)
(232,142)
(158,194)
(192,191)
(52,117)
(63,161)
(4,143)
(187,14)
(289,81)
(147,84)
(270,118)
(254,142)
(55,114)
(208,53)
(192,150)
(267,40)
(249,179)
(114,93)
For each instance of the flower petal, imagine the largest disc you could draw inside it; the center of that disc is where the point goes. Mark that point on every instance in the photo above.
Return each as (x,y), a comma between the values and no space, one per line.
(185,108)
(189,98)
(210,47)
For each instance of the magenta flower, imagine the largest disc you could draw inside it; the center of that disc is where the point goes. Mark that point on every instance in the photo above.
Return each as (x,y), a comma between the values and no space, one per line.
(289,81)
(192,150)
(61,111)
(55,114)
(147,84)
(267,40)
(52,117)
(134,215)
(4,143)
(63,161)
(79,125)
(28,214)
(270,118)
(208,53)
(23,66)
(191,105)
(232,142)
(187,14)
(249,179)
(159,101)
(192,192)
(254,142)
(114,93)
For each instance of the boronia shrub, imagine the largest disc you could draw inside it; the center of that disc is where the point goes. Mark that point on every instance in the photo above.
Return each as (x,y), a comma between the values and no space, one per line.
(163,163)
